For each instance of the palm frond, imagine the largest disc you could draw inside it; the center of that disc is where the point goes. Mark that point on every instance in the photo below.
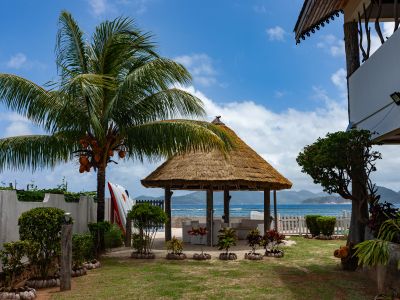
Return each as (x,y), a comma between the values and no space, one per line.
(70,47)
(166,138)
(35,151)
(372,252)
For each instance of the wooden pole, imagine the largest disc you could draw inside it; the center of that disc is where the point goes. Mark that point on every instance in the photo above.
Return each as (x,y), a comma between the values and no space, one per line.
(210,208)
(66,257)
(267,210)
(275,212)
(168,224)
(227,199)
(128,232)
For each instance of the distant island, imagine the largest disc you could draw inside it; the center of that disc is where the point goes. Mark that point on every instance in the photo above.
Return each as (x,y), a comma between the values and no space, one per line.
(284,197)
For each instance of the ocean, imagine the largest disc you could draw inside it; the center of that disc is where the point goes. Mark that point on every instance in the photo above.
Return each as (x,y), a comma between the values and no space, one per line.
(243,210)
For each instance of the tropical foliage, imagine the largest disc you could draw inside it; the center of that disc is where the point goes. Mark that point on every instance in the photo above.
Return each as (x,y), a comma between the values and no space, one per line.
(226,239)
(254,239)
(175,246)
(115,96)
(42,226)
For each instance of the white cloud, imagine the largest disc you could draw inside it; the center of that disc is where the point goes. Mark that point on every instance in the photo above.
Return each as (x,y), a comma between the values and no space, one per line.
(260,9)
(17,61)
(276,33)
(339,79)
(98,7)
(200,66)
(15,125)
(18,128)
(332,45)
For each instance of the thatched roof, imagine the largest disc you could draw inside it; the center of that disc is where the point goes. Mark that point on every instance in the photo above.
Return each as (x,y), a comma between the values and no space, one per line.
(241,169)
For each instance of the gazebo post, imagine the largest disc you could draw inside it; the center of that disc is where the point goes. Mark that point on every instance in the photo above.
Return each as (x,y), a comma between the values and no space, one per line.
(227,199)
(210,208)
(275,213)
(267,209)
(168,224)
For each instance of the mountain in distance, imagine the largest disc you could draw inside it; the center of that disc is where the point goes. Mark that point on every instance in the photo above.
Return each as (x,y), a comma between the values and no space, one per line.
(283,197)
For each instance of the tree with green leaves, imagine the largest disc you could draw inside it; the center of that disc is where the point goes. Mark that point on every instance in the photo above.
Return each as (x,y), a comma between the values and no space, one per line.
(332,162)
(115,97)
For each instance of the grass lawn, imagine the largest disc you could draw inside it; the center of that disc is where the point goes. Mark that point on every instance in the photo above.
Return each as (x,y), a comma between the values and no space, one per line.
(308,271)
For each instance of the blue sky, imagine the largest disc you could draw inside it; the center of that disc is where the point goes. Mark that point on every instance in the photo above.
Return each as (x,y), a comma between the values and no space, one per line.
(243,58)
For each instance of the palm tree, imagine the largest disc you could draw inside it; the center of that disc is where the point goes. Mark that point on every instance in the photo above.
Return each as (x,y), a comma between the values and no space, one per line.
(115,95)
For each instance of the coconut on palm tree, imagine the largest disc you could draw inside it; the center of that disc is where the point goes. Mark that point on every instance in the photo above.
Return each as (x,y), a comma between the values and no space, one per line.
(115,97)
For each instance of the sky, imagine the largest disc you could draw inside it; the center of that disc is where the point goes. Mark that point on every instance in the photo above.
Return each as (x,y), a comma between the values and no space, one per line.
(246,67)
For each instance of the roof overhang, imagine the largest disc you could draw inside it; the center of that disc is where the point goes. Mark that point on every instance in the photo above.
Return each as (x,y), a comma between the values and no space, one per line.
(315,14)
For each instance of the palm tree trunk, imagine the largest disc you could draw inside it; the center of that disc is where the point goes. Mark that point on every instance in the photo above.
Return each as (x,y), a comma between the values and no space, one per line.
(101,186)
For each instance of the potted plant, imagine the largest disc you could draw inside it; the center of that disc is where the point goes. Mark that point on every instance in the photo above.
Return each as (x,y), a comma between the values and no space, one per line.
(146,219)
(202,232)
(175,248)
(42,226)
(271,241)
(254,239)
(226,239)
(13,271)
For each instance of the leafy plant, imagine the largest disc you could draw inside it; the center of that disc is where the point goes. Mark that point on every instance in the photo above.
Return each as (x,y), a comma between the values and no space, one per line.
(254,239)
(11,258)
(147,219)
(379,213)
(98,230)
(113,237)
(376,252)
(42,225)
(200,231)
(272,239)
(175,246)
(326,225)
(226,239)
(312,225)
(82,249)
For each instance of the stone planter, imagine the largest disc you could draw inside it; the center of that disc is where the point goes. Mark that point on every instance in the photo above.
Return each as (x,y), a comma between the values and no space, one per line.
(229,256)
(23,293)
(174,256)
(274,253)
(143,255)
(90,265)
(43,283)
(79,272)
(199,256)
(253,256)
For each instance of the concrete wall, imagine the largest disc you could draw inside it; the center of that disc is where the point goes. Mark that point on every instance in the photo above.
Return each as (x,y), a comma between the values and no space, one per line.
(82,212)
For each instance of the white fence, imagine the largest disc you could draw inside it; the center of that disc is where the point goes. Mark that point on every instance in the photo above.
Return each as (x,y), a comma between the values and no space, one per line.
(297,225)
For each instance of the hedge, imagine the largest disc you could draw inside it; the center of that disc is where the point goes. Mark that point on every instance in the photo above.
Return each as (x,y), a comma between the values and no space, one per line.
(326,225)
(311,221)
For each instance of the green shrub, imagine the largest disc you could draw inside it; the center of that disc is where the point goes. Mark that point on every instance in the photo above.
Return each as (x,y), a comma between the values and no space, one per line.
(226,238)
(42,225)
(147,219)
(98,230)
(11,259)
(113,237)
(82,249)
(175,246)
(326,225)
(254,239)
(311,221)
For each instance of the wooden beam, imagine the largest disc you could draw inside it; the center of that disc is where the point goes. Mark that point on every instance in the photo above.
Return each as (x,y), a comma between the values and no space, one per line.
(267,209)
(168,226)
(275,212)
(210,208)
(227,199)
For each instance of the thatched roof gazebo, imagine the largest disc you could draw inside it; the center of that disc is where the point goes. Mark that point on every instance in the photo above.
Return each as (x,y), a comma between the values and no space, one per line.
(241,169)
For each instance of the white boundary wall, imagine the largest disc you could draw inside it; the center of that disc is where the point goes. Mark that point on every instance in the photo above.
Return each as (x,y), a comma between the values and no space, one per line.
(82,212)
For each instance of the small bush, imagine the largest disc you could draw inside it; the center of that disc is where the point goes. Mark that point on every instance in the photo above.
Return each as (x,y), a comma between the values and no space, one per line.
(175,246)
(11,259)
(98,230)
(82,249)
(326,225)
(311,221)
(113,237)
(226,239)
(42,225)
(254,239)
